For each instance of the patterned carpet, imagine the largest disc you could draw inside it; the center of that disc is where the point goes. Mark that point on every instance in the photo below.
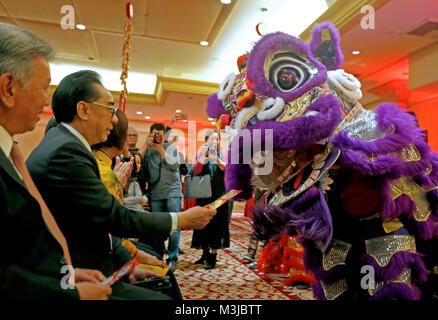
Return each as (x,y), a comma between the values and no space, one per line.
(231,279)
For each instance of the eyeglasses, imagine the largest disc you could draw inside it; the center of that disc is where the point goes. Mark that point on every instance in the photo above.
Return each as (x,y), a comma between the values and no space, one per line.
(114,109)
(132,135)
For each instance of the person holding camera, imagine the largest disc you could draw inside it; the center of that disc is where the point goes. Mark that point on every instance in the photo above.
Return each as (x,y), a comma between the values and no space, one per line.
(216,235)
(160,169)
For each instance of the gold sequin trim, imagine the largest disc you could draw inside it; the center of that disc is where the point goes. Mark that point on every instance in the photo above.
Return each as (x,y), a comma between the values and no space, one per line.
(408,154)
(428,171)
(404,277)
(407,186)
(334,290)
(383,248)
(335,255)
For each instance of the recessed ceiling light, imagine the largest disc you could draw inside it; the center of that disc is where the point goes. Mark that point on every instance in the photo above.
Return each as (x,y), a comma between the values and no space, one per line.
(139,112)
(213,122)
(178,111)
(226,1)
(210,119)
(356,52)
(147,117)
(204,43)
(184,120)
(81,27)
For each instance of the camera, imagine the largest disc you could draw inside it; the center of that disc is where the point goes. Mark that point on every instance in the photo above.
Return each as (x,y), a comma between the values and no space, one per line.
(212,150)
(157,138)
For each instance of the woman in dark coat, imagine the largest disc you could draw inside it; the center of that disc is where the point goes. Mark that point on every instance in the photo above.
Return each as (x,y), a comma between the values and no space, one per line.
(216,235)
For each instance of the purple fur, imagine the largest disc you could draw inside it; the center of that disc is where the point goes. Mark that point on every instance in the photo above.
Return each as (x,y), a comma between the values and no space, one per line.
(406,132)
(318,292)
(312,259)
(336,39)
(403,206)
(398,291)
(425,230)
(215,107)
(394,208)
(398,262)
(293,134)
(314,223)
(274,42)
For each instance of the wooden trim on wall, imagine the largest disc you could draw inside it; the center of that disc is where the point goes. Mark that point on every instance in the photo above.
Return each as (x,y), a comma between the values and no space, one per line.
(165,84)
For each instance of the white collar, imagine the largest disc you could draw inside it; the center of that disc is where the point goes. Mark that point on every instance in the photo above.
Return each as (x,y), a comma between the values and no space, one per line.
(77,135)
(5,141)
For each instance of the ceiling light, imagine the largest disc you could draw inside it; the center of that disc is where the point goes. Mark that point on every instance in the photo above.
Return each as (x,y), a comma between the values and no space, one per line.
(178,111)
(226,1)
(184,120)
(204,43)
(213,122)
(210,119)
(356,52)
(139,112)
(81,27)
(147,117)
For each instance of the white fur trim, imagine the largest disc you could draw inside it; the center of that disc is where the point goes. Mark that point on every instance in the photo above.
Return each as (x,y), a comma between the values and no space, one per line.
(241,115)
(232,132)
(225,91)
(275,110)
(346,83)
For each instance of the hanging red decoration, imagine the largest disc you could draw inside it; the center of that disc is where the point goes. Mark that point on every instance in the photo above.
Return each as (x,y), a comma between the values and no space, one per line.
(126,55)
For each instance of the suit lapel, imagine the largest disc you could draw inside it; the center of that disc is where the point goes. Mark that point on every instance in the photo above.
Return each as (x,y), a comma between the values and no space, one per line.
(70,136)
(9,169)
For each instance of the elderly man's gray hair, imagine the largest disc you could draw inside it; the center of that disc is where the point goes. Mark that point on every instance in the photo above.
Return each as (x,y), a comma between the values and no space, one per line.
(17,49)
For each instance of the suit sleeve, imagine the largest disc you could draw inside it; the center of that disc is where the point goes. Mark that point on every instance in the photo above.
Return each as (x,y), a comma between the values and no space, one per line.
(17,283)
(73,187)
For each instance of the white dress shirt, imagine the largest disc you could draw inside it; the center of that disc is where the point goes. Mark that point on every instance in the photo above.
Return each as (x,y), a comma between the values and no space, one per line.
(173,215)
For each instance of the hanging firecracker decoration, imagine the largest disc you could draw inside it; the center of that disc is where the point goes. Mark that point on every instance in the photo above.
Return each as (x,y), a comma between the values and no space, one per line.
(126,55)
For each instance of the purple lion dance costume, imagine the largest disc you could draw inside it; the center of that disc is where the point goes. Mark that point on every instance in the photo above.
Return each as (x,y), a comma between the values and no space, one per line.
(359,187)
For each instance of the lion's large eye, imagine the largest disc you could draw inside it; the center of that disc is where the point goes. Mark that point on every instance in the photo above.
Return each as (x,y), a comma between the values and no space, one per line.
(288,71)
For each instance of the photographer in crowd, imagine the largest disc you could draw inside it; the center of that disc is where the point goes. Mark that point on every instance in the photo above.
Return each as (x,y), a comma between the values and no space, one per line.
(160,171)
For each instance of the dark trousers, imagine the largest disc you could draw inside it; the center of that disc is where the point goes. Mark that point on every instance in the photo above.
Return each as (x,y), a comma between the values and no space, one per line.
(174,292)
(125,291)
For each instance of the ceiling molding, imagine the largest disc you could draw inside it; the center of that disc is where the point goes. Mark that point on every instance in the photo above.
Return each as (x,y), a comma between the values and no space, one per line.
(341,13)
(220,21)
(165,84)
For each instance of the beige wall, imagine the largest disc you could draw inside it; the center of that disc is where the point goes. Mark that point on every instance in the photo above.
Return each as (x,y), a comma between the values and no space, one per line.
(28,141)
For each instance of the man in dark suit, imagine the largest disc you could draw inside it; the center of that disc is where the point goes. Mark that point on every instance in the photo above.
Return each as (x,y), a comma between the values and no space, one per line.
(66,173)
(31,253)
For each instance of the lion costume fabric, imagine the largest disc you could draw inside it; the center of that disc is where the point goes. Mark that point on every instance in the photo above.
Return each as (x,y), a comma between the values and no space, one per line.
(358,187)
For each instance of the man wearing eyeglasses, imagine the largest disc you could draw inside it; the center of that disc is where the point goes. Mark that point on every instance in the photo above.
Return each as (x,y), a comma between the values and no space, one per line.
(67,176)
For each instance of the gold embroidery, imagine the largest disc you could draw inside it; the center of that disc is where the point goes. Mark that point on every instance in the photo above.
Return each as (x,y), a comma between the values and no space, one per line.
(326,35)
(336,254)
(294,272)
(383,248)
(417,194)
(408,154)
(392,225)
(404,277)
(334,290)
(293,244)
